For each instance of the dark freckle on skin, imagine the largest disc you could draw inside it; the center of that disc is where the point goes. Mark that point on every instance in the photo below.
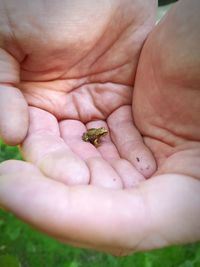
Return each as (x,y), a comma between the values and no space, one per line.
(114,179)
(147,168)
(138,160)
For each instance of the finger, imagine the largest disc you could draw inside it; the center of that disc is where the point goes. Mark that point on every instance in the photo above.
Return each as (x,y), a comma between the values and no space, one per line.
(162,211)
(129,141)
(128,173)
(82,214)
(130,177)
(12,167)
(14,112)
(44,147)
(106,147)
(71,131)
(13,115)
(101,173)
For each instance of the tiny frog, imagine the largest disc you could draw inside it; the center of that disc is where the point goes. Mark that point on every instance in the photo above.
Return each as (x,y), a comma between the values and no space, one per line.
(93,135)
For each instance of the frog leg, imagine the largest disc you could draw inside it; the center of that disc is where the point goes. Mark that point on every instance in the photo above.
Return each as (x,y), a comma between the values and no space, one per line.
(96,142)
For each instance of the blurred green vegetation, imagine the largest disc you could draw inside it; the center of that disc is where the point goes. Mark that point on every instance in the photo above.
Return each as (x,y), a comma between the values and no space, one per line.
(22,246)
(9,152)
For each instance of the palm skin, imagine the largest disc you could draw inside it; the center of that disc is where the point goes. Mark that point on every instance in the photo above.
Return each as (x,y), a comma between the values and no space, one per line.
(76,74)
(88,84)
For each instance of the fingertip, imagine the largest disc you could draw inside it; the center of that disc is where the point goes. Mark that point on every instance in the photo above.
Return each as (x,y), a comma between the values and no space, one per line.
(11,138)
(143,160)
(128,173)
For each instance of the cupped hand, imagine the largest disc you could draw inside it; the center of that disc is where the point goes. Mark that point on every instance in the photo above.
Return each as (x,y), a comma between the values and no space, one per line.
(75,64)
(160,211)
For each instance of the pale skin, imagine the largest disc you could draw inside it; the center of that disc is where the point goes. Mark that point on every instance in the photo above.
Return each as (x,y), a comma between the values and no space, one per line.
(71,80)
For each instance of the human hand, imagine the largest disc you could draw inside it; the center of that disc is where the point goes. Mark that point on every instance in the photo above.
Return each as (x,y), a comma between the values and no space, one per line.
(75,74)
(161,211)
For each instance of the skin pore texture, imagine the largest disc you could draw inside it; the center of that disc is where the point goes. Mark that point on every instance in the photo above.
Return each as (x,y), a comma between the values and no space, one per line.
(68,66)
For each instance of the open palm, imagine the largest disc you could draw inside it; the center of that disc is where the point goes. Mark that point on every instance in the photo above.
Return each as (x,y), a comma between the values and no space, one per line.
(76,75)
(84,80)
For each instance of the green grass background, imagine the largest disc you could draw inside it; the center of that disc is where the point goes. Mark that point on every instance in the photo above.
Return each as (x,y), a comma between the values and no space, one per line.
(22,246)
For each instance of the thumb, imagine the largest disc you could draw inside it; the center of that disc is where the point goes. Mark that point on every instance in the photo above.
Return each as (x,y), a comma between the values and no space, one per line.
(13,106)
(162,211)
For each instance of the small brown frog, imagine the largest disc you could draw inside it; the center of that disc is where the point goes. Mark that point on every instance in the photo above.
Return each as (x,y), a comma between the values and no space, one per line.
(93,135)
